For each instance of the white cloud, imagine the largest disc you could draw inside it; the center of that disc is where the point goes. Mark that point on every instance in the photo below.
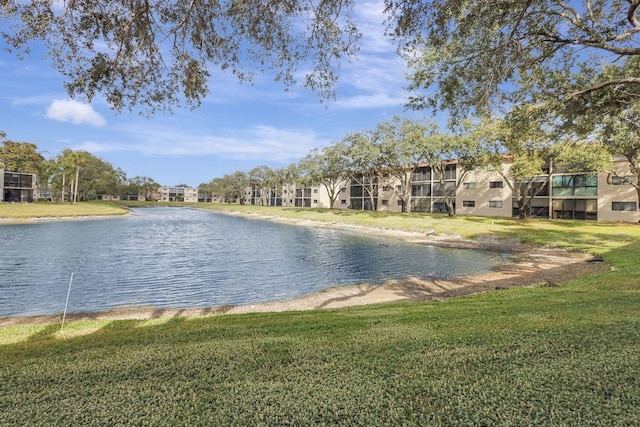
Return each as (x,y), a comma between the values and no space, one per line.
(74,112)
(375,100)
(263,144)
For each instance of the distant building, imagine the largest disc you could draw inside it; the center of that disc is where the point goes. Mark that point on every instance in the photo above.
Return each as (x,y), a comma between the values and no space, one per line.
(17,187)
(177,194)
(559,194)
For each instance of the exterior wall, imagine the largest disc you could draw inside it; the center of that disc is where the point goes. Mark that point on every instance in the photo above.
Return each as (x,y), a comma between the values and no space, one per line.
(388,199)
(610,194)
(173,194)
(477,189)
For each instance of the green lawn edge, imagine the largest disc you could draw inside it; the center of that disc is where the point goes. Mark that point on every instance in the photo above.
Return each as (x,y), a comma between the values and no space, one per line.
(566,355)
(47,210)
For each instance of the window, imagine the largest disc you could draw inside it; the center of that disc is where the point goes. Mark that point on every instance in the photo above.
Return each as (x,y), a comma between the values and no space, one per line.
(421,174)
(623,206)
(496,184)
(449,189)
(420,205)
(315,200)
(469,203)
(421,190)
(399,188)
(343,201)
(575,209)
(449,172)
(385,202)
(439,207)
(386,188)
(575,185)
(495,203)
(315,190)
(343,189)
(623,180)
(400,203)
(469,185)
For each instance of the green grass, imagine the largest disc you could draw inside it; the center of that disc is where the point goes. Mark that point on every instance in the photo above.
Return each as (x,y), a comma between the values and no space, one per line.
(21,211)
(567,355)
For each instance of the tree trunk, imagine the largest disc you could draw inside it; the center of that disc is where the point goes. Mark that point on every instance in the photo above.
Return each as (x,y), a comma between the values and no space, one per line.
(522,209)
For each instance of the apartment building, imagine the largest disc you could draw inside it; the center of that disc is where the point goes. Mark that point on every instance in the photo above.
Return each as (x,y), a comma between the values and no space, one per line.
(176,194)
(556,194)
(17,187)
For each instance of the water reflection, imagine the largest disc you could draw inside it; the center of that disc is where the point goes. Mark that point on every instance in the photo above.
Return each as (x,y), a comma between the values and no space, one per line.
(168,257)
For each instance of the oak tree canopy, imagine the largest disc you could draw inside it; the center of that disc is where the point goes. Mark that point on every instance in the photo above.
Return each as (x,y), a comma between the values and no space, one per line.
(157,54)
(574,56)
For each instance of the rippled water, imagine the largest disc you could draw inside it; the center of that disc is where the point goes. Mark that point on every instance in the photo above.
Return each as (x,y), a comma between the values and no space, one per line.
(169,257)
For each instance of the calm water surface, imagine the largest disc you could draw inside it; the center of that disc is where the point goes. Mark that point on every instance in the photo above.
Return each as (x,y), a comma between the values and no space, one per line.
(170,257)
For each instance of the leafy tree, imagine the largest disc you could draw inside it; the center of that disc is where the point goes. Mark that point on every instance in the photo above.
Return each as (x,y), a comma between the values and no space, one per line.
(232,187)
(525,147)
(284,180)
(141,185)
(327,167)
(402,144)
(262,181)
(159,53)
(576,57)
(453,156)
(365,163)
(21,156)
(92,175)
(205,189)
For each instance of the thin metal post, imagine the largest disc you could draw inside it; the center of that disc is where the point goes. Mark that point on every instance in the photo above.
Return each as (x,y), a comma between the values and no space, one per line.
(64,315)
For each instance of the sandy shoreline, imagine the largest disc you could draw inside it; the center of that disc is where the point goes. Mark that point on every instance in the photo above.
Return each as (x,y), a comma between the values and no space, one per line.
(531,266)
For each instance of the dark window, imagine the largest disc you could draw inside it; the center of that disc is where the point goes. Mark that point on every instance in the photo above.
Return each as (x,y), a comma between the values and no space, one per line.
(449,189)
(496,203)
(421,174)
(496,184)
(575,185)
(623,206)
(439,207)
(469,203)
(421,190)
(623,180)
(449,172)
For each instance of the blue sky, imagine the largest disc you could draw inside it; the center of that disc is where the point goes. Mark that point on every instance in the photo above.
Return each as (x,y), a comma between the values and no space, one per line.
(238,126)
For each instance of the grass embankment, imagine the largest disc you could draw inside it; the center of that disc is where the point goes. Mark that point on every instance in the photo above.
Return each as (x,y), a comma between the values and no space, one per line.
(23,211)
(567,355)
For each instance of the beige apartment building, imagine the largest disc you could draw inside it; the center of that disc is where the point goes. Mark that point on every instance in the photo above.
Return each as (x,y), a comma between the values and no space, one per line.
(176,194)
(558,194)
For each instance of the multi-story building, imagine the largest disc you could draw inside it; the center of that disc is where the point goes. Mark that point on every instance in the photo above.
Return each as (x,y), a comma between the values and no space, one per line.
(555,194)
(17,187)
(176,194)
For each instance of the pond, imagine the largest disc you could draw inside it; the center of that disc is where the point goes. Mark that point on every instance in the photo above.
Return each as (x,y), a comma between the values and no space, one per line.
(183,258)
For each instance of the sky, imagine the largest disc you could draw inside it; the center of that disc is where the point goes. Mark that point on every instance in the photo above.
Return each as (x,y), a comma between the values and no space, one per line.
(238,127)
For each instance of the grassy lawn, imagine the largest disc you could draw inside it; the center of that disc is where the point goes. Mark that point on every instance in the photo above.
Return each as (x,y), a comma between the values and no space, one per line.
(567,355)
(19,211)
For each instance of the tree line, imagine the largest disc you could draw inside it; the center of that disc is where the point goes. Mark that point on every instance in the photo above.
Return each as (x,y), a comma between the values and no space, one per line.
(71,175)
(398,146)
